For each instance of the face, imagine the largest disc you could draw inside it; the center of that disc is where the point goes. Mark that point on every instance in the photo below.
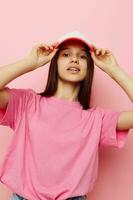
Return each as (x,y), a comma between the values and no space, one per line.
(72,54)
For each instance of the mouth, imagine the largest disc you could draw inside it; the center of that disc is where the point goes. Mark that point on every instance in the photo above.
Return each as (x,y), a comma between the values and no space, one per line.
(73,69)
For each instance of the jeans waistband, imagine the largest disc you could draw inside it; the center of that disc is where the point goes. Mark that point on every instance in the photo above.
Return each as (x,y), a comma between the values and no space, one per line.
(84,197)
(18,197)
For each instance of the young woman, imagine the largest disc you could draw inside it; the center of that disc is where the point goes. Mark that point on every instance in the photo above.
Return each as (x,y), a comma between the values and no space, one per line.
(54,151)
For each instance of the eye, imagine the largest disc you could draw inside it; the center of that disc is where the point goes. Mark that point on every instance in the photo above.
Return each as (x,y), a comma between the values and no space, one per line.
(65,54)
(84,57)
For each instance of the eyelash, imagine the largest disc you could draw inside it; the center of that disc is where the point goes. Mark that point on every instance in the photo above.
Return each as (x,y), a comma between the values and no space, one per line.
(67,54)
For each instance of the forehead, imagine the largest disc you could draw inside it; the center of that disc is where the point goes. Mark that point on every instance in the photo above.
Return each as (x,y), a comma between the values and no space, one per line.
(73,44)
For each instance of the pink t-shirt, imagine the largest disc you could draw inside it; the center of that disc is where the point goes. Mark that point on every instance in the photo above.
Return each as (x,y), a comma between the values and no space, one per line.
(54,150)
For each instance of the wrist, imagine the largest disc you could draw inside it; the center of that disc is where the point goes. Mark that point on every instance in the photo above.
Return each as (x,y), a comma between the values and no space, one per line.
(29,63)
(114,71)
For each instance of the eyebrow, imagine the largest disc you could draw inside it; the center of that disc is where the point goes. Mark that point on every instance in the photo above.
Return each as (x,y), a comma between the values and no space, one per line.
(69,48)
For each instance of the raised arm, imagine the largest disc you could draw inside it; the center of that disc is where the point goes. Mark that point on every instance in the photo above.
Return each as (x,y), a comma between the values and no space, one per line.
(39,56)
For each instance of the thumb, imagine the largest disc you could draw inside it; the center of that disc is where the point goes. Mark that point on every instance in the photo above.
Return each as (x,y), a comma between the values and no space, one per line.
(92,54)
(53,52)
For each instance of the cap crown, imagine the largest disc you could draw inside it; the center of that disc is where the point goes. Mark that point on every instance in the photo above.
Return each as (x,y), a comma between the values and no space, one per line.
(75,35)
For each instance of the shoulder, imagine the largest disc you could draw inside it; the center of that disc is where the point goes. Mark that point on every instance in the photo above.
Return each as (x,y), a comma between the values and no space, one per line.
(101,112)
(94,112)
(95,109)
(20,91)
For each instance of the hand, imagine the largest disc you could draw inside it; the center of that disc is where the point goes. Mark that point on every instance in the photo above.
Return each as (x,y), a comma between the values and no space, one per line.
(104,59)
(41,54)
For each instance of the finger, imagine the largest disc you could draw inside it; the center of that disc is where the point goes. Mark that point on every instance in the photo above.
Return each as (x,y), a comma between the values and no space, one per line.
(43,46)
(55,44)
(93,55)
(108,52)
(53,53)
(47,46)
(100,52)
(50,47)
(94,47)
(39,45)
(97,52)
(103,51)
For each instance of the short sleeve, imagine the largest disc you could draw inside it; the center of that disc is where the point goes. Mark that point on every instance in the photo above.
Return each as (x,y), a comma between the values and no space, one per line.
(109,135)
(17,104)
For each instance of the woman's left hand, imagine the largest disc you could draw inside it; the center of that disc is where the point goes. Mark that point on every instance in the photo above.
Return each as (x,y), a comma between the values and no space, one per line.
(104,59)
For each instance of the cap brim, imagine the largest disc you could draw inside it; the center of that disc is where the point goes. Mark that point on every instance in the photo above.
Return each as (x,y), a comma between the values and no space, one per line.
(73,38)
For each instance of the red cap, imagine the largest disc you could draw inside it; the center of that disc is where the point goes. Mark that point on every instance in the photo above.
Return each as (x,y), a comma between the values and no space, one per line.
(76,35)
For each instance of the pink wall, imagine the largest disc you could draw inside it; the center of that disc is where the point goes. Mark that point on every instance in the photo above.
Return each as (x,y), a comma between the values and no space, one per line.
(108,24)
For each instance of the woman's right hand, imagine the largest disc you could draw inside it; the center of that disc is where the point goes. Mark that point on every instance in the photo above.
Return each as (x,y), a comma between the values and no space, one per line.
(41,54)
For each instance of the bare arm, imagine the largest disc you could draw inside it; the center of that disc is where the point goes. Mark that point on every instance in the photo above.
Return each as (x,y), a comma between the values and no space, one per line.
(9,73)
(39,56)
(12,71)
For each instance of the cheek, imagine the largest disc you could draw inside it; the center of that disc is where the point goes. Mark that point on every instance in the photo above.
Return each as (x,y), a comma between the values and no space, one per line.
(84,66)
(61,67)
(61,61)
(62,64)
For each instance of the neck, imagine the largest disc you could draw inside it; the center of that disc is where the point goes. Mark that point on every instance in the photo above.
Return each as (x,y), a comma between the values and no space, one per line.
(67,90)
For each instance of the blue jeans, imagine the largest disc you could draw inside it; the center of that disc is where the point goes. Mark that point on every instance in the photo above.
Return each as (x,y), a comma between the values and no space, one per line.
(17,197)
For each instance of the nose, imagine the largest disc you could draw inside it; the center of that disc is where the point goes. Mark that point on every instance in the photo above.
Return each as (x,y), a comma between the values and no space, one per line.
(74,59)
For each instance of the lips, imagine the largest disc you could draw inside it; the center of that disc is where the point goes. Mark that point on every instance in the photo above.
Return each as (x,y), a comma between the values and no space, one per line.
(73,68)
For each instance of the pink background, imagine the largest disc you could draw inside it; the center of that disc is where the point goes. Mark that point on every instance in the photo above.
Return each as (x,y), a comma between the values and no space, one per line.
(108,24)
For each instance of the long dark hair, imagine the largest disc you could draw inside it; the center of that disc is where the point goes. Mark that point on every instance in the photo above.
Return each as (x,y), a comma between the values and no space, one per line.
(84,94)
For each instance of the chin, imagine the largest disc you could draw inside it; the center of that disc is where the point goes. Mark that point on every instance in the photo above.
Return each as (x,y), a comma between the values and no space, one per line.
(74,80)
